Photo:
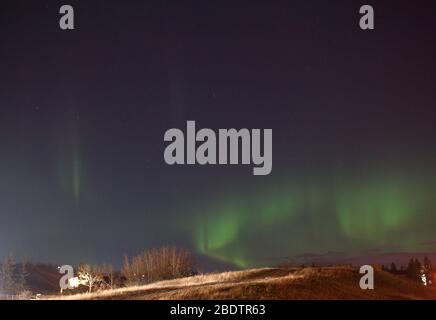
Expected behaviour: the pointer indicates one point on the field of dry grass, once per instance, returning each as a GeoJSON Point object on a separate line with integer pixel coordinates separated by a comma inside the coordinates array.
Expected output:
{"type": "Point", "coordinates": [271, 284]}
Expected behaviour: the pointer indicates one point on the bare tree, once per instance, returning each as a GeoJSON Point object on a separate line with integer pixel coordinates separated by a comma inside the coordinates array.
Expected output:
{"type": "Point", "coordinates": [157, 264]}
{"type": "Point", "coordinates": [88, 277]}
{"type": "Point", "coordinates": [107, 271]}
{"type": "Point", "coordinates": [22, 277]}
{"type": "Point", "coordinates": [7, 274]}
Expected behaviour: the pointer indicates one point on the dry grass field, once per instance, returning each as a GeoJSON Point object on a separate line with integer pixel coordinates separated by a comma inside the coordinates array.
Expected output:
{"type": "Point", "coordinates": [323, 283]}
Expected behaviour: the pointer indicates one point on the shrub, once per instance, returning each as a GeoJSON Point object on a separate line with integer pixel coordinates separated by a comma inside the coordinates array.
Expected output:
{"type": "Point", "coordinates": [157, 264]}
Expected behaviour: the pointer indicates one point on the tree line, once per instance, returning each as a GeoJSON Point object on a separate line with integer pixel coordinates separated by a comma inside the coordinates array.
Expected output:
{"type": "Point", "coordinates": [414, 270]}
{"type": "Point", "coordinates": [13, 277]}
{"type": "Point", "coordinates": [151, 265]}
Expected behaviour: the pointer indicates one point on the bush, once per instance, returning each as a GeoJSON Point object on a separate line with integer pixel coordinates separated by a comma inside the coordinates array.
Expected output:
{"type": "Point", "coordinates": [24, 295]}
{"type": "Point", "coordinates": [157, 264]}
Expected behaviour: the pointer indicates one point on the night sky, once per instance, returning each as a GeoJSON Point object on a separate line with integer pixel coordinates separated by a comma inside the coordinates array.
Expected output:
{"type": "Point", "coordinates": [83, 115]}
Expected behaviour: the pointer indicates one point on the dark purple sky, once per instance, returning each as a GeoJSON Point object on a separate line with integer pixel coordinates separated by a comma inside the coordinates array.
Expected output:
{"type": "Point", "coordinates": [83, 114]}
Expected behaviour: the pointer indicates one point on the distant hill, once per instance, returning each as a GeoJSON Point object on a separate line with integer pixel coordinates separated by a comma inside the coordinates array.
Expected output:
{"type": "Point", "coordinates": [338, 258]}
{"type": "Point", "coordinates": [43, 278]}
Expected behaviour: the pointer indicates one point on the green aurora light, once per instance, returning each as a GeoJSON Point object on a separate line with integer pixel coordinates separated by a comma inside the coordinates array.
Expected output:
{"type": "Point", "coordinates": [353, 214]}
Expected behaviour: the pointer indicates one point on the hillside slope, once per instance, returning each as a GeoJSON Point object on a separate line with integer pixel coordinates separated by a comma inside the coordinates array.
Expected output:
{"type": "Point", "coordinates": [273, 283]}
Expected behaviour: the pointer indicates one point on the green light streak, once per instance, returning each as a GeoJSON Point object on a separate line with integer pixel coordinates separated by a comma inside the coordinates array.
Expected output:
{"type": "Point", "coordinates": [70, 163]}
{"type": "Point", "coordinates": [76, 175]}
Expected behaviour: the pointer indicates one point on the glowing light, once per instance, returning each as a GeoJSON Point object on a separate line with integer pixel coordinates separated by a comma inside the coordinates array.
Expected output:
{"type": "Point", "coordinates": [351, 213]}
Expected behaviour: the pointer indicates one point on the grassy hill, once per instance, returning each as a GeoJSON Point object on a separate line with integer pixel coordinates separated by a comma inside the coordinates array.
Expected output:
{"type": "Point", "coordinates": [272, 283]}
{"type": "Point", "coordinates": [42, 278]}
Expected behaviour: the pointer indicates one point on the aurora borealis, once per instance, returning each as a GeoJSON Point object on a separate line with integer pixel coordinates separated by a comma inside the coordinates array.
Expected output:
{"type": "Point", "coordinates": [70, 166]}
{"type": "Point", "coordinates": [358, 215]}
{"type": "Point", "coordinates": [83, 115]}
